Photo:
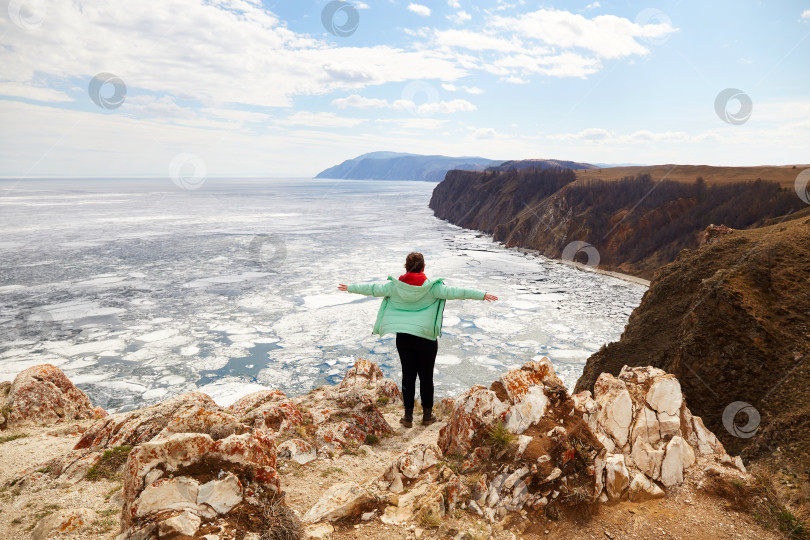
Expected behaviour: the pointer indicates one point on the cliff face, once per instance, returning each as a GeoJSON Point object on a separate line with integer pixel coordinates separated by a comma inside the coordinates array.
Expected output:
{"type": "Point", "coordinates": [636, 225]}
{"type": "Point", "coordinates": [732, 321]}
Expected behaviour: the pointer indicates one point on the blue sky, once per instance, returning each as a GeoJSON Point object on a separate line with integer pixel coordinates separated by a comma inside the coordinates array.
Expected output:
{"type": "Point", "coordinates": [252, 88]}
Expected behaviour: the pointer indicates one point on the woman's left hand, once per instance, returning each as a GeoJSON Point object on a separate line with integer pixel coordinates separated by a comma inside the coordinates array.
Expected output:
{"type": "Point", "coordinates": [342, 287]}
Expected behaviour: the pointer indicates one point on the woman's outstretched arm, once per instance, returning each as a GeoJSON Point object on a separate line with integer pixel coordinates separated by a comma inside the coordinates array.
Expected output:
{"type": "Point", "coordinates": [460, 293]}
{"type": "Point", "coordinates": [368, 289]}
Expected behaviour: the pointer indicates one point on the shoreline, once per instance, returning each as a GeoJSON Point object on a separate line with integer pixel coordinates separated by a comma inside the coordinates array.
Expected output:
{"type": "Point", "coordinates": [586, 268]}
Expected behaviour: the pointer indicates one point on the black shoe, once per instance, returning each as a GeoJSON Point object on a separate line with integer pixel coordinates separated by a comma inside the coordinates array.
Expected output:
{"type": "Point", "coordinates": [407, 420]}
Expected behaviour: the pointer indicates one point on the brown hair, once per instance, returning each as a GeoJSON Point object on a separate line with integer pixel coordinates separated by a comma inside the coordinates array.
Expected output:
{"type": "Point", "coordinates": [414, 262]}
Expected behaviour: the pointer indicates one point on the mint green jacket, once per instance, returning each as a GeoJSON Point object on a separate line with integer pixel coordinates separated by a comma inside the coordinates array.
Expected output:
{"type": "Point", "coordinates": [413, 309]}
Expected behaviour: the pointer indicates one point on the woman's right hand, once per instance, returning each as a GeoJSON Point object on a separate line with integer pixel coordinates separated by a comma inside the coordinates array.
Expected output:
{"type": "Point", "coordinates": [342, 286]}
{"type": "Point", "coordinates": [490, 297]}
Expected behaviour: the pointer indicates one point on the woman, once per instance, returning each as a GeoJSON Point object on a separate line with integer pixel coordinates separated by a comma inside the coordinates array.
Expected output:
{"type": "Point", "coordinates": [413, 308]}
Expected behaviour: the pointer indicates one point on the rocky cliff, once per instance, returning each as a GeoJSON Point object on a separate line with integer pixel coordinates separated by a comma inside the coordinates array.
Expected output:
{"type": "Point", "coordinates": [732, 321]}
{"type": "Point", "coordinates": [520, 458]}
{"type": "Point", "coordinates": [634, 225]}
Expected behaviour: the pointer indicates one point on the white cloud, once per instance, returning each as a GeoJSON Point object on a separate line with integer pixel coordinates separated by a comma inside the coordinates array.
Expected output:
{"type": "Point", "coordinates": [362, 5]}
{"type": "Point", "coordinates": [460, 17]}
{"type": "Point", "coordinates": [589, 134]}
{"type": "Point", "coordinates": [476, 41]}
{"type": "Point", "coordinates": [449, 87]}
{"type": "Point", "coordinates": [428, 108]}
{"type": "Point", "coordinates": [319, 119]}
{"type": "Point", "coordinates": [446, 107]}
{"type": "Point", "coordinates": [454, 4]}
{"type": "Point", "coordinates": [547, 42]}
{"type": "Point", "coordinates": [427, 124]}
{"type": "Point", "coordinates": [608, 36]}
{"type": "Point", "coordinates": [593, 5]}
{"type": "Point", "coordinates": [359, 102]}
{"type": "Point", "coordinates": [600, 135]}
{"type": "Point", "coordinates": [485, 133]}
{"type": "Point", "coordinates": [515, 80]}
{"type": "Point", "coordinates": [472, 90]}
{"type": "Point", "coordinates": [255, 60]}
{"type": "Point", "coordinates": [419, 9]}
{"type": "Point", "coordinates": [806, 14]}
{"type": "Point", "coordinates": [34, 93]}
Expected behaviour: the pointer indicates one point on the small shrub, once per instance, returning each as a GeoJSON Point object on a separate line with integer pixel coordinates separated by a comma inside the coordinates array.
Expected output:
{"type": "Point", "coordinates": [10, 438]}
{"type": "Point", "coordinates": [45, 511]}
{"type": "Point", "coordinates": [382, 401]}
{"type": "Point", "coordinates": [500, 437]}
{"type": "Point", "coordinates": [331, 470]}
{"type": "Point", "coordinates": [372, 439]}
{"type": "Point", "coordinates": [113, 491]}
{"type": "Point", "coordinates": [430, 520]}
{"type": "Point", "coordinates": [453, 462]}
{"type": "Point", "coordinates": [44, 470]}
{"type": "Point", "coordinates": [109, 464]}
{"type": "Point", "coordinates": [282, 523]}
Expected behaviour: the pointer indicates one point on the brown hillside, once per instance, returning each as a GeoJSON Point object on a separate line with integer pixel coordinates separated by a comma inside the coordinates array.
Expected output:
{"type": "Point", "coordinates": [784, 175]}
{"type": "Point", "coordinates": [732, 321]}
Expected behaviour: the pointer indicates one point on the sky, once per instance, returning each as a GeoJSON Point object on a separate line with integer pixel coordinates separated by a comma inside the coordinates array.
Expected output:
{"type": "Point", "coordinates": [264, 88]}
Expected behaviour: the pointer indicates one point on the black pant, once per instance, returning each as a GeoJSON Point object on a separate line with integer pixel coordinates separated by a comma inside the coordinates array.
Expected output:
{"type": "Point", "coordinates": [417, 356]}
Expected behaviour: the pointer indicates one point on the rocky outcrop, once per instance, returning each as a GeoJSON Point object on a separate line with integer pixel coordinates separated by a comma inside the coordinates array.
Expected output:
{"type": "Point", "coordinates": [730, 322]}
{"type": "Point", "coordinates": [43, 395]}
{"type": "Point", "coordinates": [174, 483]}
{"type": "Point", "coordinates": [531, 444]}
{"type": "Point", "coordinates": [365, 383]}
{"type": "Point", "coordinates": [523, 444]}
{"type": "Point", "coordinates": [714, 232]}
{"type": "Point", "coordinates": [193, 412]}
{"type": "Point", "coordinates": [62, 521]}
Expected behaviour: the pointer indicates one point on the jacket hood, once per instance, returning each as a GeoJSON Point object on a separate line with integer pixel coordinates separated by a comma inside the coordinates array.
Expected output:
{"type": "Point", "coordinates": [412, 293]}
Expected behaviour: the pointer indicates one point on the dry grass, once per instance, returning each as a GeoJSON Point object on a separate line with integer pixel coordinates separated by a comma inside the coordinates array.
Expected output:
{"type": "Point", "coordinates": [282, 523]}
{"type": "Point", "coordinates": [784, 176]}
{"type": "Point", "coordinates": [110, 463]}
{"type": "Point", "coordinates": [500, 437]}
{"type": "Point", "coordinates": [760, 499]}
{"type": "Point", "coordinates": [10, 438]}
{"type": "Point", "coordinates": [429, 519]}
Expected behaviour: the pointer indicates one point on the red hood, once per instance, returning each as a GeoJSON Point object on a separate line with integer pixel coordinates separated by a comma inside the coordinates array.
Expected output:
{"type": "Point", "coordinates": [413, 278]}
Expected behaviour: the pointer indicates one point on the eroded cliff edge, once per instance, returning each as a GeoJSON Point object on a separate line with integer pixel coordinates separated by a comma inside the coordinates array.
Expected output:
{"type": "Point", "coordinates": [635, 224]}
{"type": "Point", "coordinates": [732, 321]}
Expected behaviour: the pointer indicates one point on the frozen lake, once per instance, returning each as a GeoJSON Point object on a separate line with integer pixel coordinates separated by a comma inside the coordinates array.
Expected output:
{"type": "Point", "coordinates": [139, 290]}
